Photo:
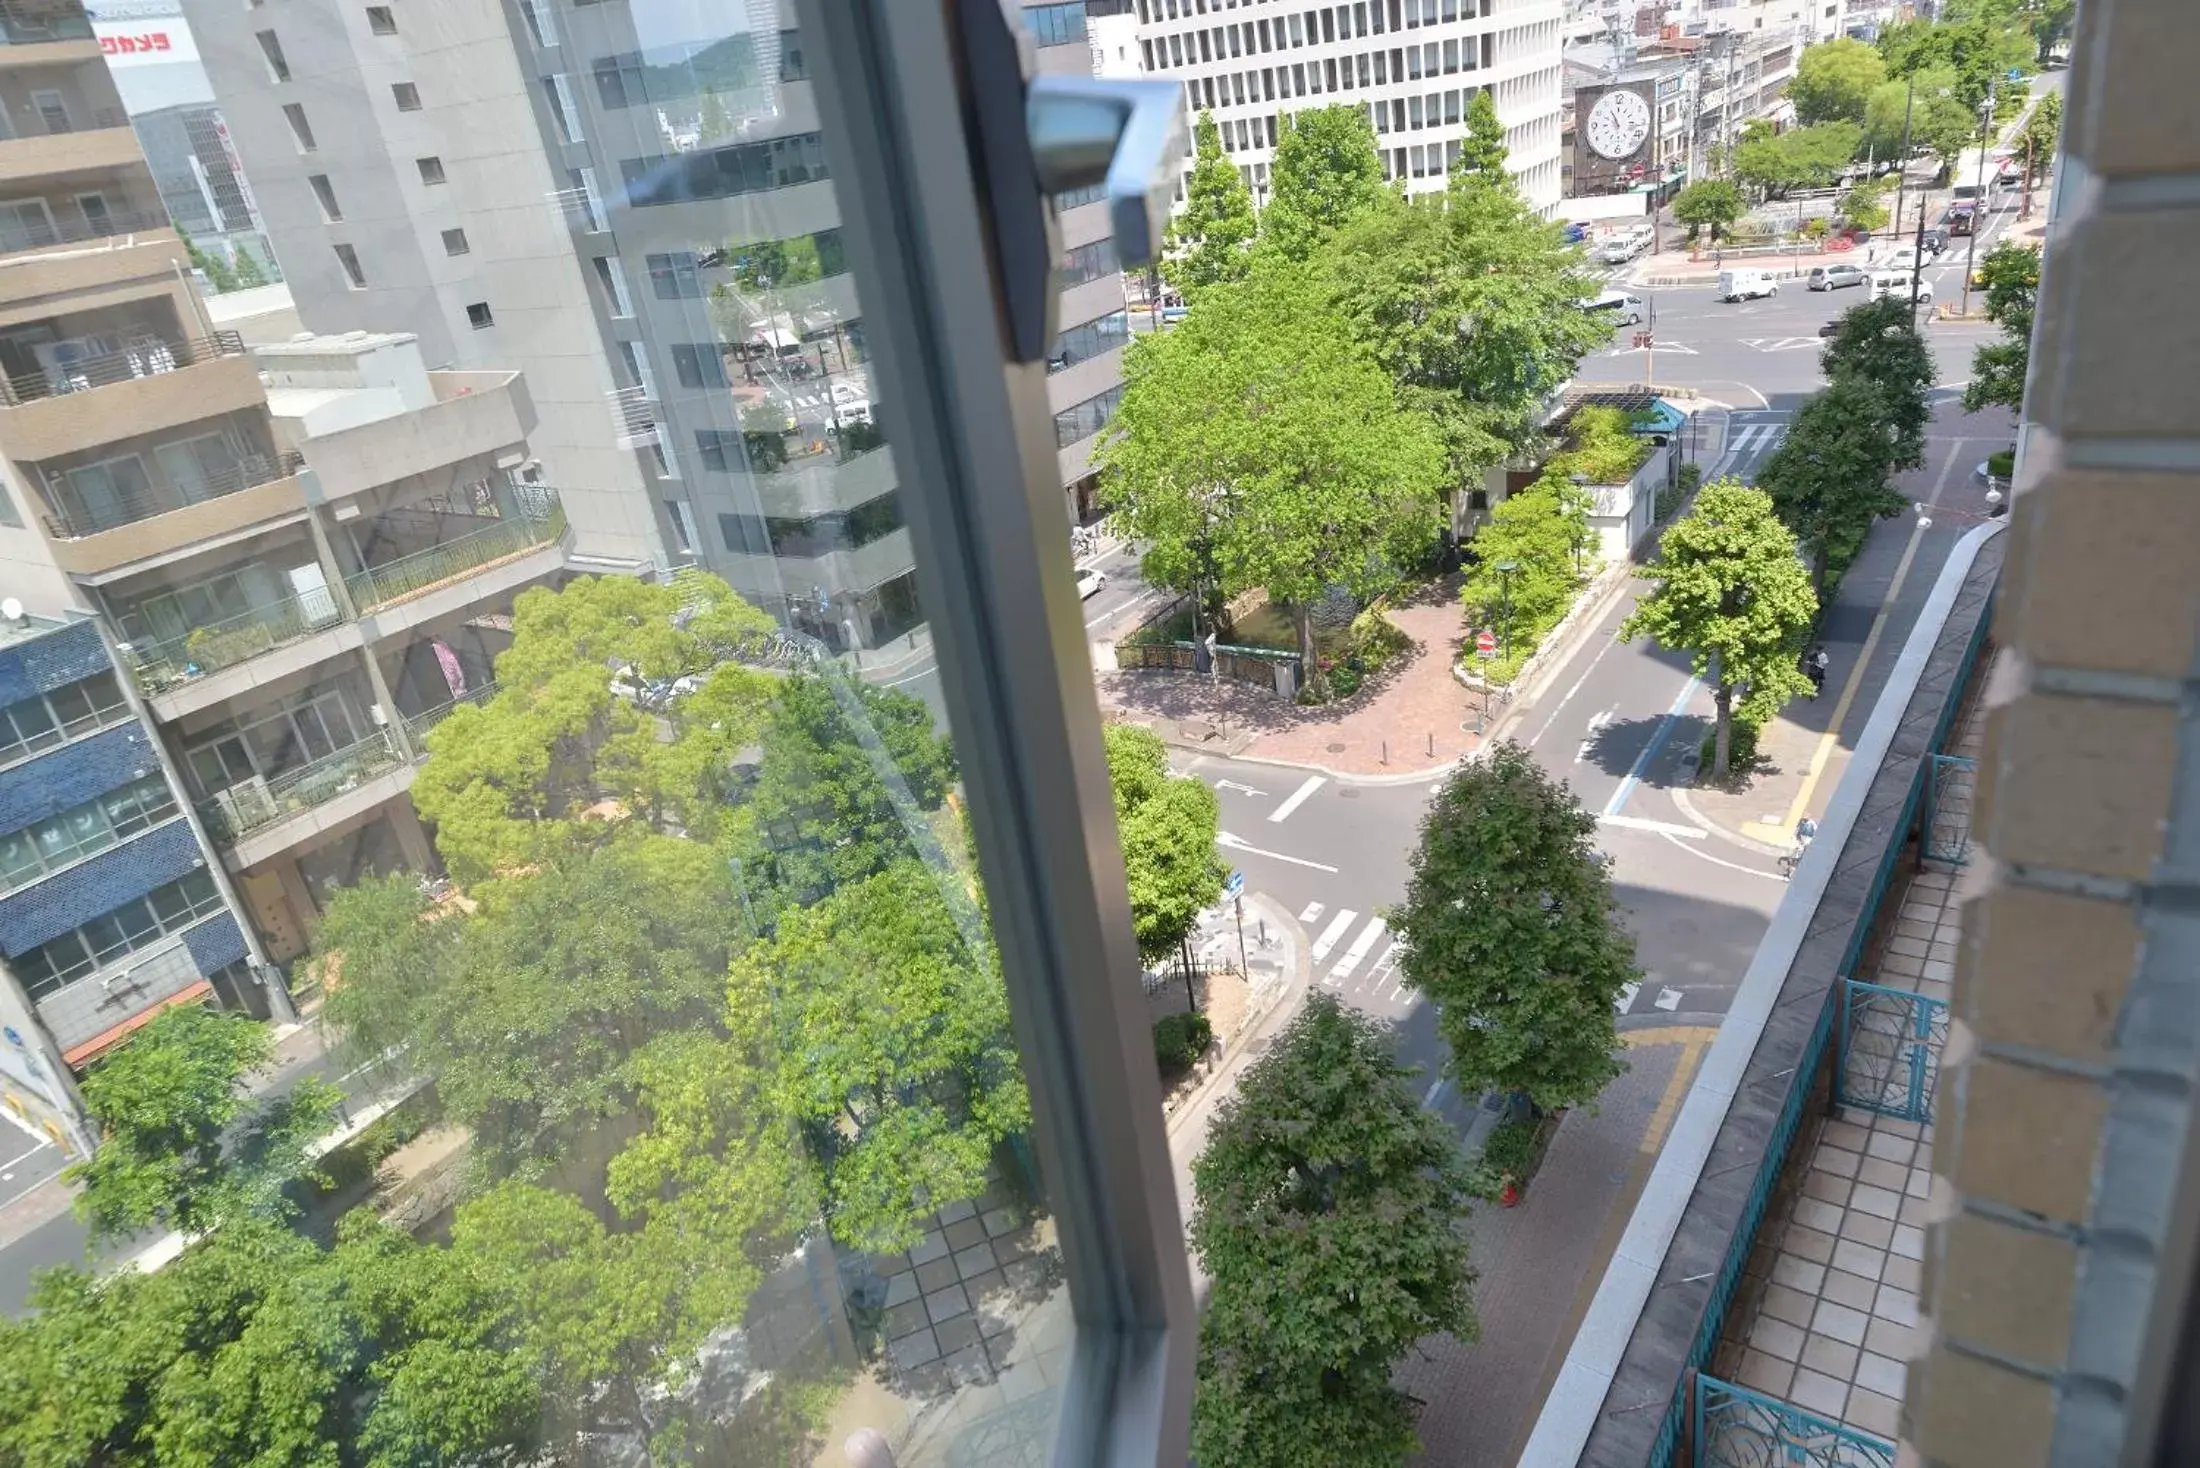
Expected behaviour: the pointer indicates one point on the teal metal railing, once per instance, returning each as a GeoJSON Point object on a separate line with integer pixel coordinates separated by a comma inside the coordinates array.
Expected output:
{"type": "Point", "coordinates": [419, 724]}
{"type": "Point", "coordinates": [538, 520]}
{"type": "Point", "coordinates": [1801, 1079]}
{"type": "Point", "coordinates": [1948, 782]}
{"type": "Point", "coordinates": [1739, 1428]}
{"type": "Point", "coordinates": [1891, 1040]}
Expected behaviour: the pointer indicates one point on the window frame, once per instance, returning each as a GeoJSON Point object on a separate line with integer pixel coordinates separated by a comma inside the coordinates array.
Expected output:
{"type": "Point", "coordinates": [983, 499]}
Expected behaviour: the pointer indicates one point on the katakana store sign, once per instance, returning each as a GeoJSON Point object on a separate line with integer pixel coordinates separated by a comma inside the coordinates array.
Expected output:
{"type": "Point", "coordinates": [142, 43]}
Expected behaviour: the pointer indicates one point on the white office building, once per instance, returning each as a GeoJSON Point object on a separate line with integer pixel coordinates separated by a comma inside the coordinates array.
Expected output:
{"type": "Point", "coordinates": [1413, 64]}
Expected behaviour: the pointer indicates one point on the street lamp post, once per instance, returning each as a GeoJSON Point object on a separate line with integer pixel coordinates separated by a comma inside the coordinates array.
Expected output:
{"type": "Point", "coordinates": [1902, 162]}
{"type": "Point", "coordinates": [1505, 571]}
{"type": "Point", "coordinates": [1978, 200]}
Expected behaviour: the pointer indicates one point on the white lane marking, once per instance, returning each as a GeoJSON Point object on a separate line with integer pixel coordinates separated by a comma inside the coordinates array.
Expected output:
{"type": "Point", "coordinates": [1609, 644]}
{"type": "Point", "coordinates": [1627, 993]}
{"type": "Point", "coordinates": [1596, 722]}
{"type": "Point", "coordinates": [1361, 946]}
{"type": "Point", "coordinates": [1298, 797]}
{"type": "Point", "coordinates": [1332, 933]}
{"type": "Point", "coordinates": [1241, 789]}
{"type": "Point", "coordinates": [1313, 911]}
{"type": "Point", "coordinates": [1721, 862]}
{"type": "Point", "coordinates": [23, 1126]}
{"type": "Point", "coordinates": [43, 1144]}
{"type": "Point", "coordinates": [1238, 843]}
{"type": "Point", "coordinates": [1435, 1090]}
{"type": "Point", "coordinates": [1663, 828]}
{"type": "Point", "coordinates": [1668, 1000]}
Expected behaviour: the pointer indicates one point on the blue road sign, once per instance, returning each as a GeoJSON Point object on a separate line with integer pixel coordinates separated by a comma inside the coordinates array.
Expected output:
{"type": "Point", "coordinates": [1235, 885]}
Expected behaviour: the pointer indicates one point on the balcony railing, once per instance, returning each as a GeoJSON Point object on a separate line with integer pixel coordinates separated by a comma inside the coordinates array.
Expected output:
{"type": "Point", "coordinates": [538, 520]}
{"type": "Point", "coordinates": [163, 664]}
{"type": "Point", "coordinates": [421, 723]}
{"type": "Point", "coordinates": [242, 809]}
{"type": "Point", "coordinates": [148, 357]}
{"type": "Point", "coordinates": [44, 233]}
{"type": "Point", "coordinates": [71, 520]}
{"type": "Point", "coordinates": [29, 22]}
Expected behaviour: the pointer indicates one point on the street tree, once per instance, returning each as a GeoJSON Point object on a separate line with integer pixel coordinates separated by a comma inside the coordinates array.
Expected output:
{"type": "Point", "coordinates": [1509, 928]}
{"type": "Point", "coordinates": [1998, 369]}
{"type": "Point", "coordinates": [1879, 342]}
{"type": "Point", "coordinates": [1729, 591]}
{"type": "Point", "coordinates": [1978, 45]}
{"type": "Point", "coordinates": [1482, 150]}
{"type": "Point", "coordinates": [1211, 239]}
{"type": "Point", "coordinates": [557, 757]}
{"type": "Point", "coordinates": [1710, 203]}
{"type": "Point", "coordinates": [184, 1144]}
{"type": "Point", "coordinates": [1471, 302]}
{"type": "Point", "coordinates": [2042, 132]}
{"type": "Point", "coordinates": [1939, 121]}
{"type": "Point", "coordinates": [1865, 205]}
{"type": "Point", "coordinates": [1167, 825]}
{"type": "Point", "coordinates": [851, 779]}
{"type": "Point", "coordinates": [1801, 158]}
{"type": "Point", "coordinates": [1834, 81]}
{"type": "Point", "coordinates": [527, 1011]}
{"type": "Point", "coordinates": [886, 999]}
{"type": "Point", "coordinates": [1259, 444]}
{"type": "Point", "coordinates": [1328, 1213]}
{"type": "Point", "coordinates": [1325, 172]}
{"type": "Point", "coordinates": [1831, 478]}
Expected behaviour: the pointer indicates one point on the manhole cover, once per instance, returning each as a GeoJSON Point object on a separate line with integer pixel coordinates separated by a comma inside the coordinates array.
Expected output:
{"type": "Point", "coordinates": [1334, 748]}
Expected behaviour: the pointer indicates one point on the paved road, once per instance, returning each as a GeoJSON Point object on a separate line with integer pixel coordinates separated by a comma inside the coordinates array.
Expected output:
{"type": "Point", "coordinates": [37, 1228]}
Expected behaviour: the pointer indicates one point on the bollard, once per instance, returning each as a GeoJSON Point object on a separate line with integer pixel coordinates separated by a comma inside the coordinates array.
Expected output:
{"type": "Point", "coordinates": [1386, 751]}
{"type": "Point", "coordinates": [1432, 744]}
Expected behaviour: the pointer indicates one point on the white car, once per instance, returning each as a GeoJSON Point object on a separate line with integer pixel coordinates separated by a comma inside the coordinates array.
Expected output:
{"type": "Point", "coordinates": [1090, 583]}
{"type": "Point", "coordinates": [1617, 306]}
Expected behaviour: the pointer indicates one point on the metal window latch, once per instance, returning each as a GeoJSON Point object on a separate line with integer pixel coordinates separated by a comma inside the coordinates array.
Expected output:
{"type": "Point", "coordinates": [1039, 136]}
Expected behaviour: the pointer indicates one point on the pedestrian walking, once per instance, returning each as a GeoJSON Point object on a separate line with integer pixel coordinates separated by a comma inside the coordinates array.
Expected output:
{"type": "Point", "coordinates": [1814, 668]}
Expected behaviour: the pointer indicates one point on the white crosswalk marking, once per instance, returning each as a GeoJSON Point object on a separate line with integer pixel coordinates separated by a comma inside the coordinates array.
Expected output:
{"type": "Point", "coordinates": [1332, 933]}
{"type": "Point", "coordinates": [1313, 911]}
{"type": "Point", "coordinates": [1361, 946]}
{"type": "Point", "coordinates": [1626, 1000]}
{"type": "Point", "coordinates": [1668, 999]}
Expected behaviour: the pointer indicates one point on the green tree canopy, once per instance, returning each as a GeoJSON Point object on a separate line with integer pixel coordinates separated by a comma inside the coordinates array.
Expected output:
{"type": "Point", "coordinates": [1328, 1211]}
{"type": "Point", "coordinates": [1258, 445]}
{"type": "Point", "coordinates": [1167, 825]}
{"type": "Point", "coordinates": [887, 998]}
{"type": "Point", "coordinates": [1729, 592]}
{"type": "Point", "coordinates": [1865, 205]}
{"type": "Point", "coordinates": [1325, 172]}
{"type": "Point", "coordinates": [850, 778]}
{"type": "Point", "coordinates": [1800, 158]}
{"type": "Point", "coordinates": [1879, 342]}
{"type": "Point", "coordinates": [2043, 132]}
{"type": "Point", "coordinates": [1510, 930]}
{"type": "Point", "coordinates": [1834, 81]}
{"type": "Point", "coordinates": [1472, 303]}
{"type": "Point", "coordinates": [1482, 150]}
{"type": "Point", "coordinates": [1712, 203]}
{"type": "Point", "coordinates": [1998, 369]}
{"type": "Point", "coordinates": [1211, 240]}
{"type": "Point", "coordinates": [1940, 121]}
{"type": "Point", "coordinates": [183, 1143]}
{"type": "Point", "coordinates": [1832, 476]}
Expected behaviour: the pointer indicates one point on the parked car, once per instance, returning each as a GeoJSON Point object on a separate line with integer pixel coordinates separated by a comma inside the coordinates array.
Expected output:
{"type": "Point", "coordinates": [1090, 584]}
{"type": "Point", "coordinates": [1834, 277]}
{"type": "Point", "coordinates": [1744, 285]}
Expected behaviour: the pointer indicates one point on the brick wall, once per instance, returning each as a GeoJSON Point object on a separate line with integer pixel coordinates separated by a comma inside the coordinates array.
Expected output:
{"type": "Point", "coordinates": [2057, 1279]}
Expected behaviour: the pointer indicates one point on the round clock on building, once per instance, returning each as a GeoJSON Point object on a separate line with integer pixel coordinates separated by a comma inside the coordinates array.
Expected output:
{"type": "Point", "coordinates": [1618, 124]}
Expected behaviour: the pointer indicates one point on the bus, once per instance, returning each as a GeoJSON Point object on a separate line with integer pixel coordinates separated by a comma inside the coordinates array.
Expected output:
{"type": "Point", "coordinates": [1998, 171]}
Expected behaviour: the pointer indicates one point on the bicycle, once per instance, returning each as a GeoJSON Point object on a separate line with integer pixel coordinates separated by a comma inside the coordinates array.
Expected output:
{"type": "Point", "coordinates": [1790, 860]}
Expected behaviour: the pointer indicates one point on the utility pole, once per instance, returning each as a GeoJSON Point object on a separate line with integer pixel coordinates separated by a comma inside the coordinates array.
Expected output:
{"type": "Point", "coordinates": [1978, 202]}
{"type": "Point", "coordinates": [1902, 160]}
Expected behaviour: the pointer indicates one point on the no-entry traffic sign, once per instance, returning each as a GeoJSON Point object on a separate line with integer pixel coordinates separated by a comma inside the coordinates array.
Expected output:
{"type": "Point", "coordinates": [1485, 644]}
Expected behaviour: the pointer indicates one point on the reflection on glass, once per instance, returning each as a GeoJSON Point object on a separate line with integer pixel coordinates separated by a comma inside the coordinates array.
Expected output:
{"type": "Point", "coordinates": [670, 1113]}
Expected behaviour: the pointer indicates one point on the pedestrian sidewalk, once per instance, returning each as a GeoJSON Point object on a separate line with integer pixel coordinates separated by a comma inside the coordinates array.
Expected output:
{"type": "Point", "coordinates": [1415, 718]}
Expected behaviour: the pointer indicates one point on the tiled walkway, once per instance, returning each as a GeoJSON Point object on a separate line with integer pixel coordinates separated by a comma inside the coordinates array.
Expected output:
{"type": "Point", "coordinates": [1826, 1317]}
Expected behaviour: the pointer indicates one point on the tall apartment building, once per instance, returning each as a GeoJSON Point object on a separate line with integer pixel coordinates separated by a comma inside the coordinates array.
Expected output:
{"type": "Point", "coordinates": [1414, 65]}
{"type": "Point", "coordinates": [631, 205]}
{"type": "Point", "coordinates": [296, 580]}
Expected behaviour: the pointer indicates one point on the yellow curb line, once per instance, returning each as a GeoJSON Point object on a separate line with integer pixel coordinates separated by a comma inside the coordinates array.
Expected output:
{"type": "Point", "coordinates": [1693, 1040]}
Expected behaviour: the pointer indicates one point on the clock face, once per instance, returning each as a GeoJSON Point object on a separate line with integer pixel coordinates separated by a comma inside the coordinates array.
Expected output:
{"type": "Point", "coordinates": [1618, 124]}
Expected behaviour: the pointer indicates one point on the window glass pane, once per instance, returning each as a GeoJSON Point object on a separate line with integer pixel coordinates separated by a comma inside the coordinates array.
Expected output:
{"type": "Point", "coordinates": [574, 738]}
